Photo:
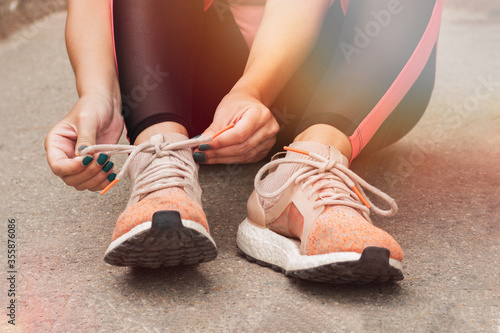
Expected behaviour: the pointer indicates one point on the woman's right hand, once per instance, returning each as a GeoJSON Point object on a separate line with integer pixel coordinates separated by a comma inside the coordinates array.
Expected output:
{"type": "Point", "coordinates": [95, 119]}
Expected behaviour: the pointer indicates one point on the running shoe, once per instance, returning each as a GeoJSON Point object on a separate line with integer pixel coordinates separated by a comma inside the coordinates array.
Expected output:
{"type": "Point", "coordinates": [309, 218]}
{"type": "Point", "coordinates": [164, 223]}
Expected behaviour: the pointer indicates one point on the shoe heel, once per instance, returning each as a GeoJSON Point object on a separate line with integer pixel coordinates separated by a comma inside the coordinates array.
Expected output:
{"type": "Point", "coordinates": [166, 219]}
{"type": "Point", "coordinates": [375, 255]}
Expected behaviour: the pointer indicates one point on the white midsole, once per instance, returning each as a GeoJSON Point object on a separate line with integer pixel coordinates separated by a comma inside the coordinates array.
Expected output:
{"type": "Point", "coordinates": [272, 248]}
{"type": "Point", "coordinates": [143, 227]}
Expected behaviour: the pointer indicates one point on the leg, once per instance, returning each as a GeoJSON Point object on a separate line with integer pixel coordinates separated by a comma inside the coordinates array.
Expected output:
{"type": "Point", "coordinates": [157, 45]}
{"type": "Point", "coordinates": [398, 123]}
{"type": "Point", "coordinates": [187, 50]}
{"type": "Point", "coordinates": [327, 135]}
{"type": "Point", "coordinates": [310, 194]}
{"type": "Point", "coordinates": [220, 64]}
{"type": "Point", "coordinates": [164, 49]}
{"type": "Point", "coordinates": [382, 63]}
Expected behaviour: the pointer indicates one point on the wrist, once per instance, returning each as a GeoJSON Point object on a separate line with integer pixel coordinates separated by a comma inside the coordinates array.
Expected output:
{"type": "Point", "coordinates": [103, 81]}
{"type": "Point", "coordinates": [251, 88]}
{"type": "Point", "coordinates": [110, 91]}
{"type": "Point", "coordinates": [111, 99]}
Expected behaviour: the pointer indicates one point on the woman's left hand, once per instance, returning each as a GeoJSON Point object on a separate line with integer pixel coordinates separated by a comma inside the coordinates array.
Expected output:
{"type": "Point", "coordinates": [251, 138]}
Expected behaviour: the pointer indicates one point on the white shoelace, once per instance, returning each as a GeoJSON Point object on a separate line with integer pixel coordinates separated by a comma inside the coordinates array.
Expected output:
{"type": "Point", "coordinates": [171, 172]}
{"type": "Point", "coordinates": [336, 184]}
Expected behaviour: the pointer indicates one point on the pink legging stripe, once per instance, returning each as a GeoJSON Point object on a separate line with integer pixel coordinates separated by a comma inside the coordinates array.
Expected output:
{"type": "Point", "coordinates": [345, 4]}
{"type": "Point", "coordinates": [400, 86]}
{"type": "Point", "coordinates": [113, 34]}
{"type": "Point", "coordinates": [208, 3]}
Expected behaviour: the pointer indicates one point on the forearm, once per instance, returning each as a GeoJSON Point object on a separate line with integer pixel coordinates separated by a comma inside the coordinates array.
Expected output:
{"type": "Point", "coordinates": [90, 47]}
{"type": "Point", "coordinates": [288, 33]}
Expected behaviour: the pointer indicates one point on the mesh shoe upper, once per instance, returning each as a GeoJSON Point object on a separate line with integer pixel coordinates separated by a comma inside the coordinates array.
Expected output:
{"type": "Point", "coordinates": [166, 179]}
{"type": "Point", "coordinates": [163, 176]}
{"type": "Point", "coordinates": [313, 196]}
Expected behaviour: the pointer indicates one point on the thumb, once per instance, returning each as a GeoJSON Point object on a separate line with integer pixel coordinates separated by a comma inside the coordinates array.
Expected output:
{"type": "Point", "coordinates": [86, 132]}
{"type": "Point", "coordinates": [219, 126]}
{"type": "Point", "coordinates": [211, 130]}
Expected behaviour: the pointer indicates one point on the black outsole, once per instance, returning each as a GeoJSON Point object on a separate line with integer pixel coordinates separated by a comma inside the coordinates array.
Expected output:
{"type": "Point", "coordinates": [372, 267]}
{"type": "Point", "coordinates": [167, 243]}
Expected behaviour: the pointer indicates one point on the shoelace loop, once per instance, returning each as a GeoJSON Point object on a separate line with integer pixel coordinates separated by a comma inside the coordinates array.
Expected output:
{"type": "Point", "coordinates": [335, 183]}
{"type": "Point", "coordinates": [159, 150]}
{"type": "Point", "coordinates": [147, 182]}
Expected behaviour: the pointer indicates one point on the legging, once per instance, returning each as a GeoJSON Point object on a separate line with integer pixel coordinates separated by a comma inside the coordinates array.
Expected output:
{"type": "Point", "coordinates": [370, 74]}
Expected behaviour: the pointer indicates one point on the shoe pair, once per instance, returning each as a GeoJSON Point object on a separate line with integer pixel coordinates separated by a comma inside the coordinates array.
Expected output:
{"type": "Point", "coordinates": [308, 216]}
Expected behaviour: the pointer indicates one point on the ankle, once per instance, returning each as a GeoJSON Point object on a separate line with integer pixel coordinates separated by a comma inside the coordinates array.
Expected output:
{"type": "Point", "coordinates": [160, 128]}
{"type": "Point", "coordinates": [327, 135]}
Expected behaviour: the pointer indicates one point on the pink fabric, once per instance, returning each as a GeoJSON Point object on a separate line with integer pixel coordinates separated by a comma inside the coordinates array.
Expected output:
{"type": "Point", "coordinates": [208, 3]}
{"type": "Point", "coordinates": [345, 4]}
{"type": "Point", "coordinates": [248, 18]}
{"type": "Point", "coordinates": [400, 86]}
{"type": "Point", "coordinates": [113, 34]}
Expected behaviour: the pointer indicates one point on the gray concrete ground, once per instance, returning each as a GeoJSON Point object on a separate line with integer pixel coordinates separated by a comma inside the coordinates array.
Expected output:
{"type": "Point", "coordinates": [445, 177]}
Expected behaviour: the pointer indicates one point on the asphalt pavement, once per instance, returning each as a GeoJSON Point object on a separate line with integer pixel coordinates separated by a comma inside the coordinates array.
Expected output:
{"type": "Point", "coordinates": [445, 177]}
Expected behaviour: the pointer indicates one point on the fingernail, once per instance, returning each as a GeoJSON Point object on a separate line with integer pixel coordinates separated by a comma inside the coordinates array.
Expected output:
{"type": "Point", "coordinates": [196, 137]}
{"type": "Point", "coordinates": [102, 159]}
{"type": "Point", "coordinates": [111, 177]}
{"type": "Point", "coordinates": [82, 148]}
{"type": "Point", "coordinates": [199, 157]}
{"type": "Point", "coordinates": [204, 147]}
{"type": "Point", "coordinates": [108, 166]}
{"type": "Point", "coordinates": [87, 160]}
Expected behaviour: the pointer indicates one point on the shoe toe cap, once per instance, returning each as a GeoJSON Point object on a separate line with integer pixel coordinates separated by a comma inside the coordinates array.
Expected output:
{"type": "Point", "coordinates": [342, 229]}
{"type": "Point", "coordinates": [169, 199]}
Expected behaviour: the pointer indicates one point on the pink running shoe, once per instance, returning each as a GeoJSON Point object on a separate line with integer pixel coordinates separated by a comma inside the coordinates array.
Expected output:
{"type": "Point", "coordinates": [164, 223]}
{"type": "Point", "coordinates": [309, 218]}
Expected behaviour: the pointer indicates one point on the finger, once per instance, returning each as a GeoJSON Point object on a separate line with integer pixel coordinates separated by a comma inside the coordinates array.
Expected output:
{"type": "Point", "coordinates": [241, 132]}
{"type": "Point", "coordinates": [99, 182]}
{"type": "Point", "coordinates": [261, 140]}
{"type": "Point", "coordinates": [250, 155]}
{"type": "Point", "coordinates": [110, 177]}
{"type": "Point", "coordinates": [92, 175]}
{"type": "Point", "coordinates": [59, 145]}
{"type": "Point", "coordinates": [260, 125]}
{"type": "Point", "coordinates": [99, 178]}
{"type": "Point", "coordinates": [215, 130]}
{"type": "Point", "coordinates": [63, 166]}
{"type": "Point", "coordinates": [211, 130]}
{"type": "Point", "coordinates": [242, 127]}
{"type": "Point", "coordinates": [86, 130]}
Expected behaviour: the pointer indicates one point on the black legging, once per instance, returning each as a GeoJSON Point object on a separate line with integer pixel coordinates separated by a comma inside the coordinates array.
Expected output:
{"type": "Point", "coordinates": [176, 62]}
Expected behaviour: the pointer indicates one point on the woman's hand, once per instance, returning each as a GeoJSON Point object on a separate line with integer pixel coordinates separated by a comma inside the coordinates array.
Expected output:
{"type": "Point", "coordinates": [279, 49]}
{"type": "Point", "coordinates": [94, 119]}
{"type": "Point", "coordinates": [253, 135]}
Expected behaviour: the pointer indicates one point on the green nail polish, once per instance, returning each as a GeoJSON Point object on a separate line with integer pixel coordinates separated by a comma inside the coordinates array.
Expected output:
{"type": "Point", "coordinates": [102, 159]}
{"type": "Point", "coordinates": [199, 157]}
{"type": "Point", "coordinates": [204, 147]}
{"type": "Point", "coordinates": [196, 137]}
{"type": "Point", "coordinates": [111, 177]}
{"type": "Point", "coordinates": [108, 166]}
{"type": "Point", "coordinates": [87, 160]}
{"type": "Point", "coordinates": [82, 148]}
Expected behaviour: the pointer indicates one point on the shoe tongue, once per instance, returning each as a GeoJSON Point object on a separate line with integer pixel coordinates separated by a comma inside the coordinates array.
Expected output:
{"type": "Point", "coordinates": [285, 170]}
{"type": "Point", "coordinates": [323, 150]}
